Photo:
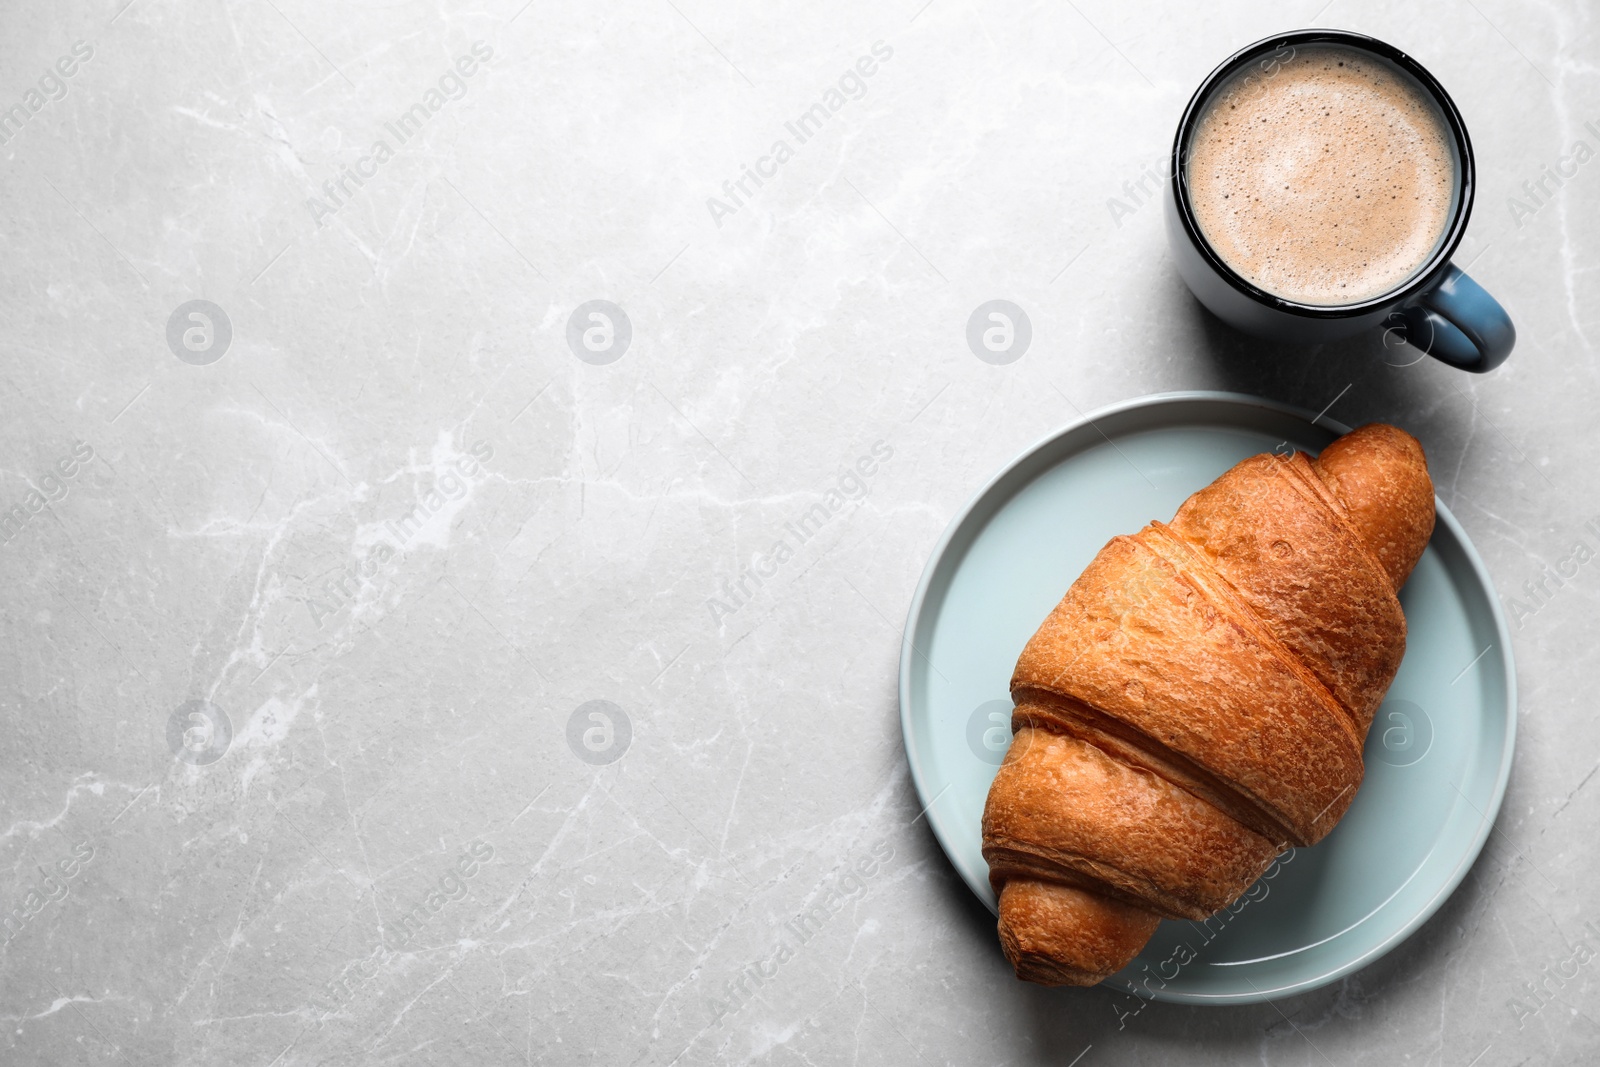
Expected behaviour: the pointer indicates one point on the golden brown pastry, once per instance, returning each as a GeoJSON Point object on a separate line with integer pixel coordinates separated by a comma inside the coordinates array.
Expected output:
{"type": "Point", "coordinates": [1199, 699]}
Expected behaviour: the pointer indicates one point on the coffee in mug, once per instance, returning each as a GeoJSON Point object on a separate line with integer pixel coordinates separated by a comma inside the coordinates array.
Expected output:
{"type": "Point", "coordinates": [1331, 181]}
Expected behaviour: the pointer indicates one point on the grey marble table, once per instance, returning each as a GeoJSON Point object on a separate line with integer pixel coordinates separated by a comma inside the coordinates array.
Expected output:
{"type": "Point", "coordinates": [399, 664]}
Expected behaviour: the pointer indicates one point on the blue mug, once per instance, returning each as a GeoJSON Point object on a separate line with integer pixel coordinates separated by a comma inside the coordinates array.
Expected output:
{"type": "Point", "coordinates": [1439, 309]}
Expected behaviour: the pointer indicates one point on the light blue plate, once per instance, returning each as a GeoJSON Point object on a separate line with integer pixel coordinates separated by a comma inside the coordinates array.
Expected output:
{"type": "Point", "coordinates": [1437, 757]}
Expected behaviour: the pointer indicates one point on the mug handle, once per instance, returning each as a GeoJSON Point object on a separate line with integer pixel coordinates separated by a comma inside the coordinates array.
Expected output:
{"type": "Point", "coordinates": [1459, 323]}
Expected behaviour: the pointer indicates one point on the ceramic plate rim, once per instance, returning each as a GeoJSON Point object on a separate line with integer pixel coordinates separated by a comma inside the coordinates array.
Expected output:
{"type": "Point", "coordinates": [1179, 400]}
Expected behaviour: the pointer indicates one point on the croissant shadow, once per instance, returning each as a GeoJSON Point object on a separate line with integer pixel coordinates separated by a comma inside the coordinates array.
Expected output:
{"type": "Point", "coordinates": [1066, 1019]}
{"type": "Point", "coordinates": [970, 913]}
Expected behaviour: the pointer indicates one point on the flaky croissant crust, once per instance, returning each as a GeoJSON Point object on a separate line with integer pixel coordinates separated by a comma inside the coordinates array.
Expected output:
{"type": "Point", "coordinates": [1199, 699]}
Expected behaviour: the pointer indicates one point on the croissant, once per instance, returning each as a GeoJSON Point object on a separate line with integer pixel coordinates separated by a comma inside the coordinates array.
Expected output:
{"type": "Point", "coordinates": [1198, 701]}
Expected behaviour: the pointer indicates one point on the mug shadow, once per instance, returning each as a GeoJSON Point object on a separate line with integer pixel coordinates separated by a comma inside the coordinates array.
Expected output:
{"type": "Point", "coordinates": [1371, 376]}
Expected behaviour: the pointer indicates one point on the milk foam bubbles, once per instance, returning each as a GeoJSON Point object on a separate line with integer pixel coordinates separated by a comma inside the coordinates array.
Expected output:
{"type": "Point", "coordinates": [1330, 181]}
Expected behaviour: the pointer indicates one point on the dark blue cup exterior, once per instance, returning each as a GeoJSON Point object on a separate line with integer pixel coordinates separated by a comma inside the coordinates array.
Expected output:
{"type": "Point", "coordinates": [1440, 310]}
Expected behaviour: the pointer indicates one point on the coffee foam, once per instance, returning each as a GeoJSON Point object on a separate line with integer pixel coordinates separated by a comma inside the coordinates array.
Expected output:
{"type": "Point", "coordinates": [1328, 181]}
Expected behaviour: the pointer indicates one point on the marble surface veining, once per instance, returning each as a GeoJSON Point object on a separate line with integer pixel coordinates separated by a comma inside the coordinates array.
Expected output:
{"type": "Point", "coordinates": [403, 403]}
